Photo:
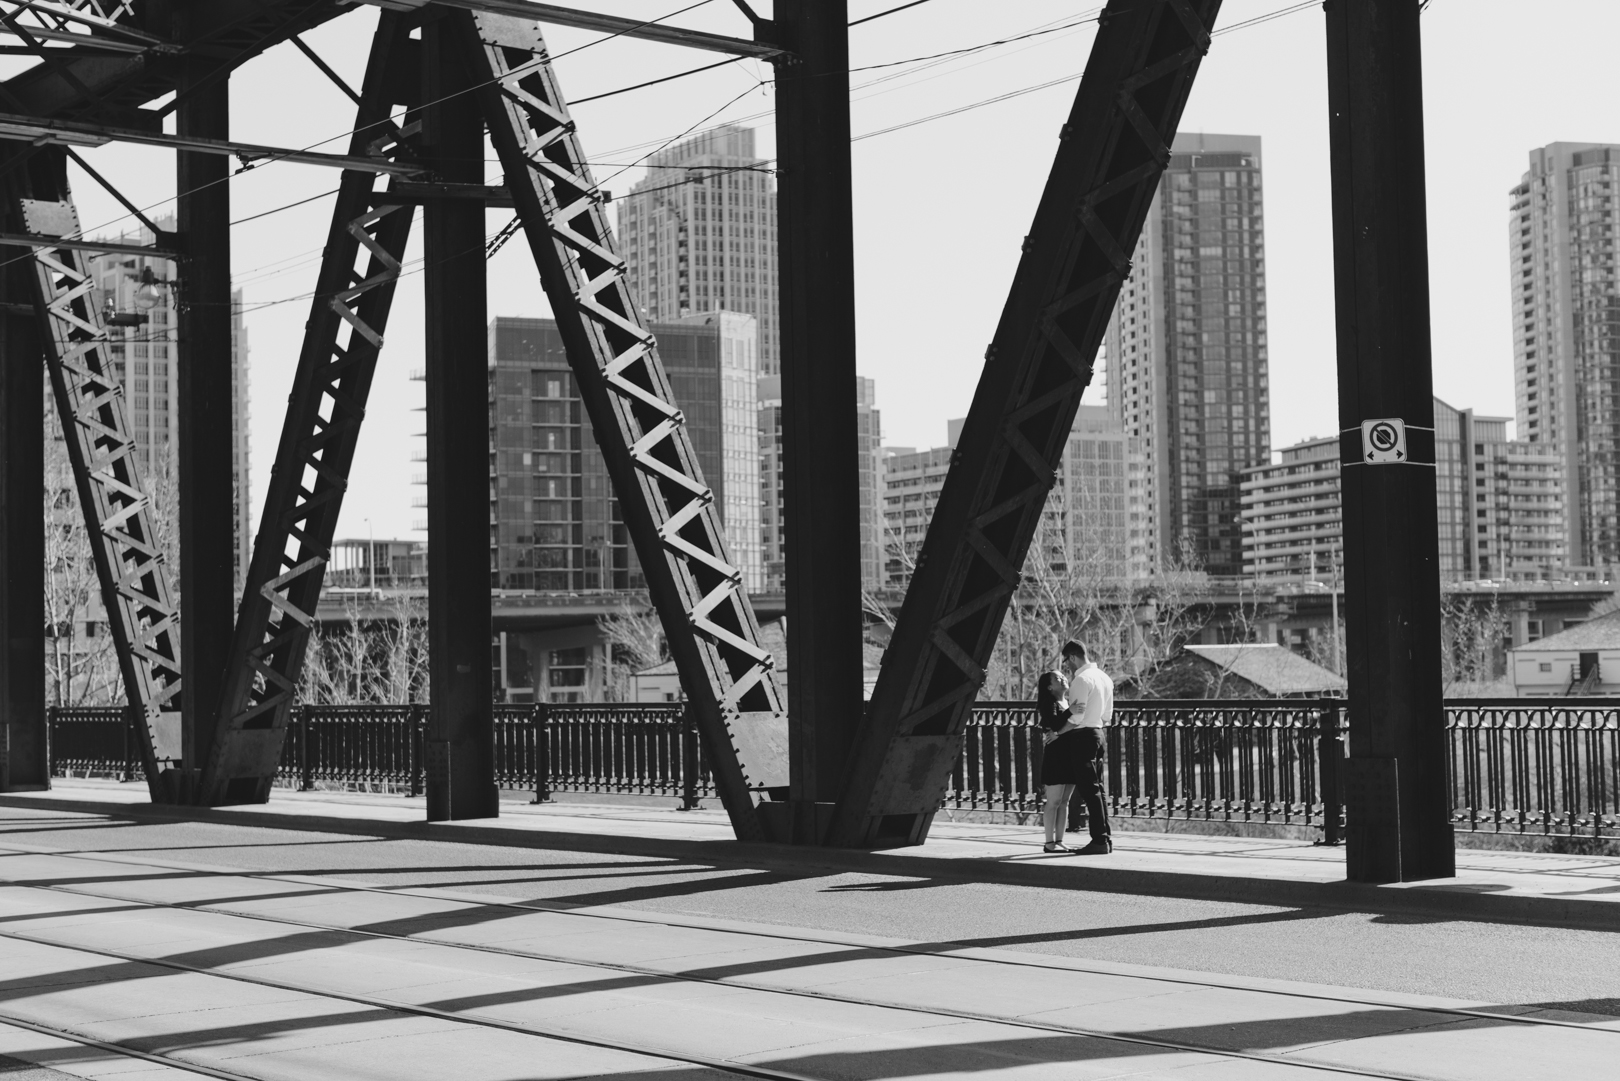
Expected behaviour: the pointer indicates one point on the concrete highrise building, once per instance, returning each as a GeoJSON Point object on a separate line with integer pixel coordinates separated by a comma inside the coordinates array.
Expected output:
{"type": "Point", "coordinates": [1500, 503]}
{"type": "Point", "coordinates": [1102, 495]}
{"type": "Point", "coordinates": [699, 234]}
{"type": "Point", "coordinates": [555, 519]}
{"type": "Point", "coordinates": [912, 481]}
{"type": "Point", "coordinates": [147, 361]}
{"type": "Point", "coordinates": [1186, 350]}
{"type": "Point", "coordinates": [1097, 510]}
{"type": "Point", "coordinates": [1563, 240]}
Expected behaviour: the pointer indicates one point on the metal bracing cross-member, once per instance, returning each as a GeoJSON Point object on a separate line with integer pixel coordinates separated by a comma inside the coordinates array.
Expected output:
{"type": "Point", "coordinates": [119, 523]}
{"type": "Point", "coordinates": [668, 508]}
{"type": "Point", "coordinates": [342, 341]}
{"type": "Point", "coordinates": [1112, 153]}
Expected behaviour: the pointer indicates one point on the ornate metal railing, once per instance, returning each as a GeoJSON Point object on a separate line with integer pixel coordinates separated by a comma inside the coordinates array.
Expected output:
{"type": "Point", "coordinates": [1252, 760]}
{"type": "Point", "coordinates": [94, 741]}
{"type": "Point", "coordinates": [1547, 766]}
{"type": "Point", "coordinates": [1522, 766]}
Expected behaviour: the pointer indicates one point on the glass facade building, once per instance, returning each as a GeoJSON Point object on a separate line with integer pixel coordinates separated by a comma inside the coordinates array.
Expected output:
{"type": "Point", "coordinates": [554, 519]}
{"type": "Point", "coordinates": [1563, 240]}
{"type": "Point", "coordinates": [1186, 350]}
{"type": "Point", "coordinates": [699, 234]}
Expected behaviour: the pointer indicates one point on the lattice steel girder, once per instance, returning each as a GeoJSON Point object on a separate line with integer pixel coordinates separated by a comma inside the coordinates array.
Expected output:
{"type": "Point", "coordinates": [342, 340]}
{"type": "Point", "coordinates": [668, 509]}
{"type": "Point", "coordinates": [119, 523]}
{"type": "Point", "coordinates": [1112, 152]}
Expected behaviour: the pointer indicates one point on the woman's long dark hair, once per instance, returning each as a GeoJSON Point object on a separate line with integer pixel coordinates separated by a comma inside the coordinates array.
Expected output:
{"type": "Point", "coordinates": [1049, 690]}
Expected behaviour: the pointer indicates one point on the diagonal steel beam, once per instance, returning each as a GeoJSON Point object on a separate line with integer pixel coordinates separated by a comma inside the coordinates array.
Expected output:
{"type": "Point", "coordinates": [668, 508]}
{"type": "Point", "coordinates": [141, 610]}
{"type": "Point", "coordinates": [1112, 153]}
{"type": "Point", "coordinates": [342, 340]}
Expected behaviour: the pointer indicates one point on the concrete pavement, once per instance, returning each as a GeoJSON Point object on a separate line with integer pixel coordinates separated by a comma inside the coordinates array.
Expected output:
{"type": "Point", "coordinates": [1560, 890]}
{"type": "Point", "coordinates": [282, 976]}
{"type": "Point", "coordinates": [205, 966]}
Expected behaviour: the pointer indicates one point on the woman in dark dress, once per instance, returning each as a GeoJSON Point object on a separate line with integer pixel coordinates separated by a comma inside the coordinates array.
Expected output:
{"type": "Point", "coordinates": [1061, 761]}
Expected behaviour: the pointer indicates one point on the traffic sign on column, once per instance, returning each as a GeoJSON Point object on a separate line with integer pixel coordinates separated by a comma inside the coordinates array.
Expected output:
{"type": "Point", "coordinates": [1383, 442]}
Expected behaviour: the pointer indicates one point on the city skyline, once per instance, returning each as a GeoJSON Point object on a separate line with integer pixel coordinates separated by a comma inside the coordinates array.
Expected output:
{"type": "Point", "coordinates": [1265, 79]}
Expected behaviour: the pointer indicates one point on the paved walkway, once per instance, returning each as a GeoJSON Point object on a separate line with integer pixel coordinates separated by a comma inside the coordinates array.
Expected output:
{"type": "Point", "coordinates": [1568, 890]}
{"type": "Point", "coordinates": [125, 964]}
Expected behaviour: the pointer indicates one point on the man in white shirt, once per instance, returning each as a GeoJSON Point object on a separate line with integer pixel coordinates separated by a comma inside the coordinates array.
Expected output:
{"type": "Point", "coordinates": [1091, 708]}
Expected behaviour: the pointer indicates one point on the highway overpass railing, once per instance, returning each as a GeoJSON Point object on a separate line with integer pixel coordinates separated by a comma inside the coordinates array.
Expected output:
{"type": "Point", "coordinates": [1517, 766]}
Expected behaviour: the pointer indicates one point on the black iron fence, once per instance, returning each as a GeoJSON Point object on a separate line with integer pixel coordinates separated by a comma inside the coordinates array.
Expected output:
{"type": "Point", "coordinates": [632, 748]}
{"type": "Point", "coordinates": [1547, 766]}
{"type": "Point", "coordinates": [1246, 760]}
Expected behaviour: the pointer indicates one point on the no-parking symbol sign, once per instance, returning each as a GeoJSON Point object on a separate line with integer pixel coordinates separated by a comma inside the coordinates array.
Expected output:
{"type": "Point", "coordinates": [1383, 442]}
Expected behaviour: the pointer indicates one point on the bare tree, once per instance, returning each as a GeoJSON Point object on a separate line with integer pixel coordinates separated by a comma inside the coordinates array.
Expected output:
{"type": "Point", "coordinates": [81, 667]}
{"type": "Point", "coordinates": [1076, 585]}
{"type": "Point", "coordinates": [1473, 636]}
{"type": "Point", "coordinates": [634, 640]}
{"type": "Point", "coordinates": [378, 657]}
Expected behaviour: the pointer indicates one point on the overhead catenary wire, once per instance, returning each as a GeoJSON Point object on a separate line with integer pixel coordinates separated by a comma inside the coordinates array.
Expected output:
{"type": "Point", "coordinates": [502, 236]}
{"type": "Point", "coordinates": [1090, 17]}
{"type": "Point", "coordinates": [890, 11]}
{"type": "Point", "coordinates": [495, 242]}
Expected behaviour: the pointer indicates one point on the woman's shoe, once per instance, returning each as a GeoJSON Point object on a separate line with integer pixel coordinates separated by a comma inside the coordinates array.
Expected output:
{"type": "Point", "coordinates": [1056, 847]}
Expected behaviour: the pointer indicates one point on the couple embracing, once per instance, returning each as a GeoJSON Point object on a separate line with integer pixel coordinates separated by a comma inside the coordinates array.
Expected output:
{"type": "Point", "coordinates": [1074, 705]}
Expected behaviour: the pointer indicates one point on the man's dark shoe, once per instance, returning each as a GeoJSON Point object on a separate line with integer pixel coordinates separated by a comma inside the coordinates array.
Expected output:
{"type": "Point", "coordinates": [1100, 847]}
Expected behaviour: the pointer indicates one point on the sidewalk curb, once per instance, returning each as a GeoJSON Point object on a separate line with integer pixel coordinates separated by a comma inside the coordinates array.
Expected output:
{"type": "Point", "coordinates": [1446, 902]}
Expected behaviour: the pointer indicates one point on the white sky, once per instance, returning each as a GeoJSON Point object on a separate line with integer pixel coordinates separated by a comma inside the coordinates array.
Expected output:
{"type": "Point", "coordinates": [941, 207]}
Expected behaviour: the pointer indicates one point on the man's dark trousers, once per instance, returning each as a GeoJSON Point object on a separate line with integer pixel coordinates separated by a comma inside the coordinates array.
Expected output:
{"type": "Point", "coordinates": [1089, 793]}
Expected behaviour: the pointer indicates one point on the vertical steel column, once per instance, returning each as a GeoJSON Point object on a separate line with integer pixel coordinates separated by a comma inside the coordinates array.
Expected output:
{"type": "Point", "coordinates": [668, 509]}
{"type": "Point", "coordinates": [206, 475]}
{"type": "Point", "coordinates": [816, 234]}
{"type": "Point", "coordinates": [461, 734]}
{"type": "Point", "coordinates": [23, 763]}
{"type": "Point", "coordinates": [343, 337]}
{"type": "Point", "coordinates": [1395, 782]}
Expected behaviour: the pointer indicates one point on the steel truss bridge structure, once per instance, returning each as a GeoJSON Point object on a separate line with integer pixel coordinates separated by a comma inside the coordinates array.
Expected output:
{"type": "Point", "coordinates": [821, 767]}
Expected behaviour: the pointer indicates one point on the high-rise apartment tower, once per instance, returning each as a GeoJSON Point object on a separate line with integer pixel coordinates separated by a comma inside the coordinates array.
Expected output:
{"type": "Point", "coordinates": [1186, 350]}
{"type": "Point", "coordinates": [1563, 240]}
{"type": "Point", "coordinates": [699, 234]}
{"type": "Point", "coordinates": [555, 519]}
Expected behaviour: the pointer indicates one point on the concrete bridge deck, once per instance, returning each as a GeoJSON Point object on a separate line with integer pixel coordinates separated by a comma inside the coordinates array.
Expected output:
{"type": "Point", "coordinates": [328, 935]}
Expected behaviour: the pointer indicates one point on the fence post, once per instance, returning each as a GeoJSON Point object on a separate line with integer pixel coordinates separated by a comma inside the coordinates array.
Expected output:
{"type": "Point", "coordinates": [1330, 771]}
{"type": "Point", "coordinates": [542, 754]}
{"type": "Point", "coordinates": [306, 767]}
{"type": "Point", "coordinates": [131, 717]}
{"type": "Point", "coordinates": [417, 750]}
{"type": "Point", "coordinates": [52, 719]}
{"type": "Point", "coordinates": [689, 760]}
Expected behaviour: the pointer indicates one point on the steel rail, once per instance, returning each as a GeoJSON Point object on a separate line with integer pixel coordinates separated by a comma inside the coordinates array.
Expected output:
{"type": "Point", "coordinates": [35, 241]}
{"type": "Point", "coordinates": [435, 893]}
{"type": "Point", "coordinates": [374, 1002]}
{"type": "Point", "coordinates": [343, 339]}
{"type": "Point", "coordinates": [30, 129]}
{"type": "Point", "coordinates": [668, 508]}
{"type": "Point", "coordinates": [70, 1036]}
{"type": "Point", "coordinates": [223, 908]}
{"type": "Point", "coordinates": [1111, 154]}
